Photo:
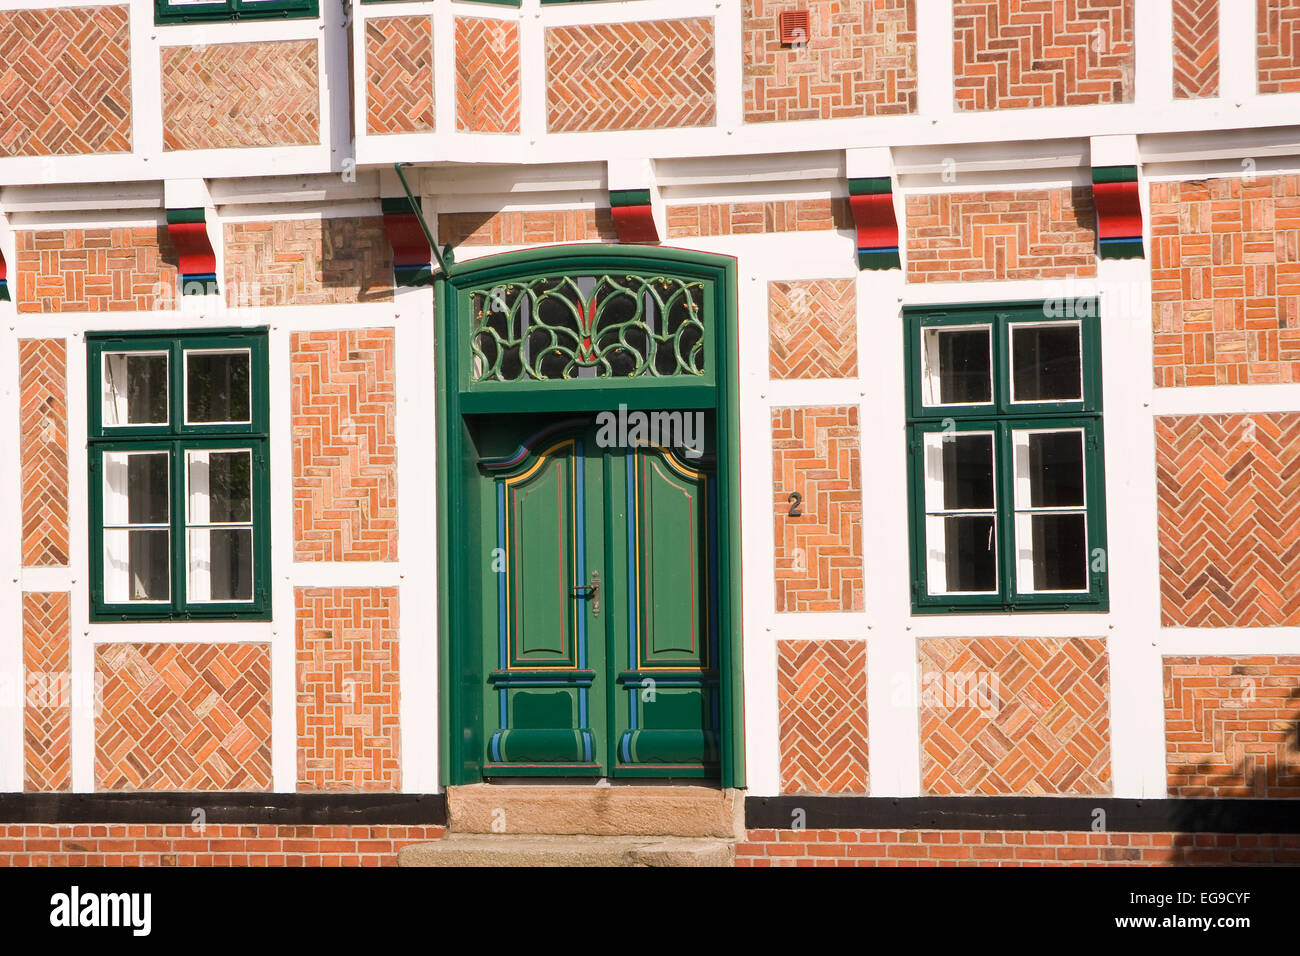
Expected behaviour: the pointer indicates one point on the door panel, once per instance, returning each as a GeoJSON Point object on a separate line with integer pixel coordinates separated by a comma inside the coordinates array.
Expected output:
{"type": "Point", "coordinates": [600, 650]}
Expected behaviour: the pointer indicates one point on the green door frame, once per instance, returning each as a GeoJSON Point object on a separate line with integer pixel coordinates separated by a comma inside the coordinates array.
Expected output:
{"type": "Point", "coordinates": [460, 665]}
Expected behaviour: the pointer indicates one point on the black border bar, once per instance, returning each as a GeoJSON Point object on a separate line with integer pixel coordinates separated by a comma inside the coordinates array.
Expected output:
{"type": "Point", "coordinates": [1023, 813]}
{"type": "Point", "coordinates": [282, 809]}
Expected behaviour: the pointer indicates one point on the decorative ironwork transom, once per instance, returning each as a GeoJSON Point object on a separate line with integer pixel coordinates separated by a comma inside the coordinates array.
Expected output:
{"type": "Point", "coordinates": [594, 326]}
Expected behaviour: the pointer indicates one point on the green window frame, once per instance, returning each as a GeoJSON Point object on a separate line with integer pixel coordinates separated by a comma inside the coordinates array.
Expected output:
{"type": "Point", "coordinates": [201, 11]}
{"type": "Point", "coordinates": [179, 476]}
{"type": "Point", "coordinates": [1006, 484]}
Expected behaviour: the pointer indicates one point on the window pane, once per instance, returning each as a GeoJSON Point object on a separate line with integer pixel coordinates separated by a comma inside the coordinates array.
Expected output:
{"type": "Point", "coordinates": [217, 387]}
{"type": "Point", "coordinates": [962, 554]}
{"type": "Point", "coordinates": [1046, 363]}
{"type": "Point", "coordinates": [1055, 469]}
{"type": "Point", "coordinates": [967, 471]}
{"type": "Point", "coordinates": [134, 388]}
{"type": "Point", "coordinates": [136, 565]}
{"type": "Point", "coordinates": [221, 564]}
{"type": "Point", "coordinates": [135, 488]}
{"type": "Point", "coordinates": [1060, 551]}
{"type": "Point", "coordinates": [220, 488]}
{"type": "Point", "coordinates": [956, 367]}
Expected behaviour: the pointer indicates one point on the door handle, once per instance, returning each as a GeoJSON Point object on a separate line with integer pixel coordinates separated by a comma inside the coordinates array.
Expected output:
{"type": "Point", "coordinates": [589, 591]}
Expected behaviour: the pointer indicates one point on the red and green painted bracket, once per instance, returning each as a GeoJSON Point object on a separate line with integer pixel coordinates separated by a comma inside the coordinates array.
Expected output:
{"type": "Point", "coordinates": [871, 201]}
{"type": "Point", "coordinates": [412, 254]}
{"type": "Point", "coordinates": [633, 215]}
{"type": "Point", "coordinates": [4, 279]}
{"type": "Point", "coordinates": [1119, 212]}
{"type": "Point", "coordinates": [188, 230]}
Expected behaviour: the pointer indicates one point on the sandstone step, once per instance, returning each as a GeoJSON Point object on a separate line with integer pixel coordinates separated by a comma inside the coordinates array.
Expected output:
{"type": "Point", "coordinates": [475, 849]}
{"type": "Point", "coordinates": [680, 811]}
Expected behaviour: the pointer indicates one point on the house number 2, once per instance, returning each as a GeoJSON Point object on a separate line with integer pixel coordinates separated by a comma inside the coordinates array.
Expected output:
{"type": "Point", "coordinates": [796, 500]}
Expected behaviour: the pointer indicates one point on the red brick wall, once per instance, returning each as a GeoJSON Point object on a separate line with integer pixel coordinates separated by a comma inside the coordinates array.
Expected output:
{"type": "Point", "coordinates": [94, 270]}
{"type": "Point", "coordinates": [748, 218]}
{"type": "Point", "coordinates": [1011, 54]}
{"type": "Point", "coordinates": [1011, 848]}
{"type": "Point", "coordinates": [1015, 716]}
{"type": "Point", "coordinates": [348, 689]}
{"type": "Point", "coordinates": [545, 226]}
{"type": "Point", "coordinates": [816, 453]}
{"type": "Point", "coordinates": [487, 75]}
{"type": "Point", "coordinates": [1196, 48]}
{"type": "Point", "coordinates": [43, 450]}
{"type": "Point", "coordinates": [1278, 52]}
{"type": "Point", "coordinates": [47, 705]}
{"type": "Point", "coordinates": [1228, 510]}
{"type": "Point", "coordinates": [1230, 726]}
{"type": "Point", "coordinates": [183, 717]}
{"type": "Point", "coordinates": [218, 844]}
{"type": "Point", "coordinates": [344, 401]}
{"type": "Point", "coordinates": [399, 74]}
{"type": "Point", "coordinates": [66, 84]}
{"type": "Point", "coordinates": [1225, 281]}
{"type": "Point", "coordinates": [813, 328]}
{"type": "Point", "coordinates": [858, 60]}
{"type": "Point", "coordinates": [331, 260]}
{"type": "Point", "coordinates": [227, 95]}
{"type": "Point", "coordinates": [650, 74]}
{"type": "Point", "coordinates": [981, 236]}
{"type": "Point", "coordinates": [821, 689]}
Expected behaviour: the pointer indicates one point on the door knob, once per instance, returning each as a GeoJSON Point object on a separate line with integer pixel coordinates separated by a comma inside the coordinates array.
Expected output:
{"type": "Point", "coordinates": [589, 591]}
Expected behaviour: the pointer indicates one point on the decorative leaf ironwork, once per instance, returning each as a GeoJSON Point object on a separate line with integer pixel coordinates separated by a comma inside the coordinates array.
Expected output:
{"type": "Point", "coordinates": [588, 326]}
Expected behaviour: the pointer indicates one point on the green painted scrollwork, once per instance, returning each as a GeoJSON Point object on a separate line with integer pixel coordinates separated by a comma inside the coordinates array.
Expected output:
{"type": "Point", "coordinates": [569, 327]}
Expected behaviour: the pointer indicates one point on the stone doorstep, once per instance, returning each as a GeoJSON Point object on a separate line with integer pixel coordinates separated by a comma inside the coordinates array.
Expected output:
{"type": "Point", "coordinates": [494, 849]}
{"type": "Point", "coordinates": [617, 811]}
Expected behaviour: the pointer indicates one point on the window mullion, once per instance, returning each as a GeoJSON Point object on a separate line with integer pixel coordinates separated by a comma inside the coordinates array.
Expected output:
{"type": "Point", "coordinates": [1004, 462]}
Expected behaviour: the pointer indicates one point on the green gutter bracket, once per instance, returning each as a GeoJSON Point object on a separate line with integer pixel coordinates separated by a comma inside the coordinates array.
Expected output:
{"type": "Point", "coordinates": [446, 258]}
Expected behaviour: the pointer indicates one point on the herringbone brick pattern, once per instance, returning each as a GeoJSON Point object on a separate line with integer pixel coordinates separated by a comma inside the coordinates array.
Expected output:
{"type": "Point", "coordinates": [333, 260]}
{"type": "Point", "coordinates": [813, 329]}
{"type": "Point", "coordinates": [240, 94]}
{"type": "Point", "coordinates": [821, 691]}
{"type": "Point", "coordinates": [399, 74]}
{"type": "Point", "coordinates": [43, 450]}
{"type": "Point", "coordinates": [816, 453]}
{"type": "Point", "coordinates": [1230, 726]}
{"type": "Point", "coordinates": [183, 717]}
{"type": "Point", "coordinates": [1277, 56]}
{"type": "Point", "coordinates": [47, 707]}
{"type": "Point", "coordinates": [1015, 716]}
{"type": "Point", "coordinates": [95, 270]}
{"type": "Point", "coordinates": [1013, 54]}
{"type": "Point", "coordinates": [65, 81]}
{"type": "Point", "coordinates": [1027, 234]}
{"type": "Point", "coordinates": [348, 689]}
{"type": "Point", "coordinates": [1196, 48]}
{"type": "Point", "coordinates": [746, 218]}
{"type": "Point", "coordinates": [1225, 281]}
{"type": "Point", "coordinates": [545, 226]}
{"type": "Point", "coordinates": [344, 446]}
{"type": "Point", "coordinates": [859, 60]}
{"type": "Point", "coordinates": [650, 74]}
{"type": "Point", "coordinates": [487, 75]}
{"type": "Point", "coordinates": [1229, 519]}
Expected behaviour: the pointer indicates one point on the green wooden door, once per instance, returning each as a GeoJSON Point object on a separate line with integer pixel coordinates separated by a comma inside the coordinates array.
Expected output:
{"type": "Point", "coordinates": [598, 603]}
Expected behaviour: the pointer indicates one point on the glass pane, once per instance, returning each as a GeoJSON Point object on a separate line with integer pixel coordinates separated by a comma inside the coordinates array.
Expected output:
{"type": "Point", "coordinates": [1059, 548]}
{"type": "Point", "coordinates": [136, 565]}
{"type": "Point", "coordinates": [962, 554]}
{"type": "Point", "coordinates": [134, 388]}
{"type": "Point", "coordinates": [220, 488]}
{"type": "Point", "coordinates": [221, 564]}
{"type": "Point", "coordinates": [957, 369]}
{"type": "Point", "coordinates": [135, 488]}
{"type": "Point", "coordinates": [1055, 469]}
{"type": "Point", "coordinates": [217, 387]}
{"type": "Point", "coordinates": [1046, 365]}
{"type": "Point", "coordinates": [967, 475]}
